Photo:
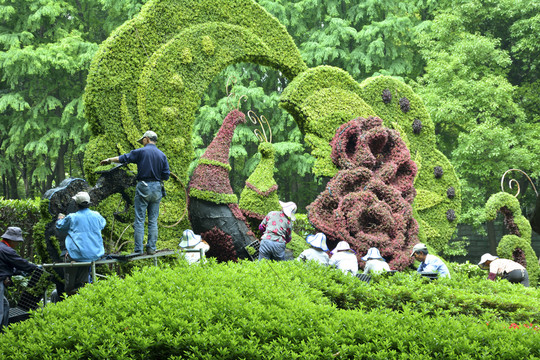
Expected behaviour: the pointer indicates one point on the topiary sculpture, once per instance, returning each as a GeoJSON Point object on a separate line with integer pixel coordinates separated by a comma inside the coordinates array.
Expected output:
{"type": "Point", "coordinates": [213, 206]}
{"type": "Point", "coordinates": [517, 244]}
{"type": "Point", "coordinates": [368, 202]}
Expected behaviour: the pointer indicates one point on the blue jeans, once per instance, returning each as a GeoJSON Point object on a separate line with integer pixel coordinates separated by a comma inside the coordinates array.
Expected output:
{"type": "Point", "coordinates": [4, 308]}
{"type": "Point", "coordinates": [147, 198]}
{"type": "Point", "coordinates": [272, 250]}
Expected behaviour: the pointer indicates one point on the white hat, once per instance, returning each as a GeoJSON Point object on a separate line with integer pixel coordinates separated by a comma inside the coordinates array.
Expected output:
{"type": "Point", "coordinates": [81, 197]}
{"type": "Point", "coordinates": [342, 246]}
{"type": "Point", "coordinates": [289, 208]}
{"type": "Point", "coordinates": [373, 253]}
{"type": "Point", "coordinates": [487, 257]}
{"type": "Point", "coordinates": [189, 239]}
{"type": "Point", "coordinates": [318, 240]}
{"type": "Point", "coordinates": [419, 247]}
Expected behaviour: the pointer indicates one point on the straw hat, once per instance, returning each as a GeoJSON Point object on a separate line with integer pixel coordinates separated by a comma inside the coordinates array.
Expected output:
{"type": "Point", "coordinates": [373, 253]}
{"type": "Point", "coordinates": [342, 246]}
{"type": "Point", "coordinates": [318, 240]}
{"type": "Point", "coordinates": [189, 239]}
{"type": "Point", "coordinates": [487, 257]}
{"type": "Point", "coordinates": [289, 208]}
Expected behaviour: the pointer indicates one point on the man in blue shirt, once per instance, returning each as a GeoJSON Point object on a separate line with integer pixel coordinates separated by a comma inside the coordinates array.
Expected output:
{"type": "Point", "coordinates": [429, 263]}
{"type": "Point", "coordinates": [83, 242]}
{"type": "Point", "coordinates": [152, 169]}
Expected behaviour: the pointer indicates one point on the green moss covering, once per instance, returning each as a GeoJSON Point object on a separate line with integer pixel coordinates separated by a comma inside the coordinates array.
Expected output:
{"type": "Point", "coordinates": [259, 196]}
{"type": "Point", "coordinates": [432, 202]}
{"type": "Point", "coordinates": [152, 72]}
{"type": "Point", "coordinates": [520, 232]}
{"type": "Point", "coordinates": [321, 99]}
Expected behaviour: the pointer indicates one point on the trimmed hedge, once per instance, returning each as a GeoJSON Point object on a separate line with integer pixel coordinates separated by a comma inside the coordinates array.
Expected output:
{"type": "Point", "coordinates": [517, 244]}
{"type": "Point", "coordinates": [287, 310]}
{"type": "Point", "coordinates": [152, 71]}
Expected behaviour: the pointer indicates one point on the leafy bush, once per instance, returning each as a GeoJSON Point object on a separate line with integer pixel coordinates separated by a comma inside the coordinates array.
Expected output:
{"type": "Point", "coordinates": [281, 310]}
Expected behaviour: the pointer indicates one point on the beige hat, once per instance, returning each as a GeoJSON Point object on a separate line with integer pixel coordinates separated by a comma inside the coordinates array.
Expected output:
{"type": "Point", "coordinates": [342, 246]}
{"type": "Point", "coordinates": [289, 208]}
{"type": "Point", "coordinates": [13, 233]}
{"type": "Point", "coordinates": [82, 197]}
{"type": "Point", "coordinates": [419, 247]}
{"type": "Point", "coordinates": [149, 134]}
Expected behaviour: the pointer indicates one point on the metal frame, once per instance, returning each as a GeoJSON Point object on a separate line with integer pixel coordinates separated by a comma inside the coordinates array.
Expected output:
{"type": "Point", "coordinates": [113, 261]}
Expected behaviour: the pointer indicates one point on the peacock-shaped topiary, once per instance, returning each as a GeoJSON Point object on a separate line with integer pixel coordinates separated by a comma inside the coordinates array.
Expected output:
{"type": "Point", "coordinates": [368, 203]}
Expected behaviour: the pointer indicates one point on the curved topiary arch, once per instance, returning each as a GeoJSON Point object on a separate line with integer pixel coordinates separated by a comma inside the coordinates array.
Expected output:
{"type": "Point", "coordinates": [517, 244]}
{"type": "Point", "coordinates": [153, 70]}
{"type": "Point", "coordinates": [321, 99]}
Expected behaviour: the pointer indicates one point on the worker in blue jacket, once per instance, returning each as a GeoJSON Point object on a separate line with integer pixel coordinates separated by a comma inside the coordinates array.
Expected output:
{"type": "Point", "coordinates": [84, 242]}
{"type": "Point", "coordinates": [10, 263]}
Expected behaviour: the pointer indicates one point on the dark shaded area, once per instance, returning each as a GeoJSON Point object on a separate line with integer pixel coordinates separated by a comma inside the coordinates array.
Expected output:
{"type": "Point", "coordinates": [535, 218]}
{"type": "Point", "coordinates": [205, 216]}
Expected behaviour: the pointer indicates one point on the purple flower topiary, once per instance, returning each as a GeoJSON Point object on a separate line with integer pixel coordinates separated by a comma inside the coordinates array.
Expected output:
{"type": "Point", "coordinates": [386, 96]}
{"type": "Point", "coordinates": [404, 104]}
{"type": "Point", "coordinates": [368, 203]}
{"type": "Point", "coordinates": [417, 126]}
{"type": "Point", "coordinates": [451, 215]}
{"type": "Point", "coordinates": [438, 172]}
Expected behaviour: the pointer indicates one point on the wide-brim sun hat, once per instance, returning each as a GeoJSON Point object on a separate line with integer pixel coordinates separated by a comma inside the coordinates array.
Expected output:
{"type": "Point", "coordinates": [487, 257]}
{"type": "Point", "coordinates": [13, 233]}
{"type": "Point", "coordinates": [373, 253]}
{"type": "Point", "coordinates": [318, 241]}
{"type": "Point", "coordinates": [289, 208]}
{"type": "Point", "coordinates": [189, 239]}
{"type": "Point", "coordinates": [419, 247]}
{"type": "Point", "coordinates": [342, 246]}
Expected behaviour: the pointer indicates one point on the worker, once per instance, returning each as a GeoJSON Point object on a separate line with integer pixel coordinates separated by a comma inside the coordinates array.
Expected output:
{"type": "Point", "coordinates": [317, 250]}
{"type": "Point", "coordinates": [375, 262]}
{"type": "Point", "coordinates": [504, 268]}
{"type": "Point", "coordinates": [429, 263]}
{"type": "Point", "coordinates": [344, 258]}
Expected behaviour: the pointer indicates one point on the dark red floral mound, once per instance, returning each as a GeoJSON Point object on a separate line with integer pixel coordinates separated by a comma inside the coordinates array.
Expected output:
{"type": "Point", "coordinates": [221, 245]}
{"type": "Point", "coordinates": [369, 202]}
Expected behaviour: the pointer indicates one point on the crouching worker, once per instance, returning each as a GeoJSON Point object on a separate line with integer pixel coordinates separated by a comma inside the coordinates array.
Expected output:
{"type": "Point", "coordinates": [10, 262]}
{"type": "Point", "coordinates": [83, 241]}
{"type": "Point", "coordinates": [191, 241]}
{"type": "Point", "coordinates": [429, 263]}
{"type": "Point", "coordinates": [317, 251]}
{"type": "Point", "coordinates": [344, 258]}
{"type": "Point", "coordinates": [375, 262]}
{"type": "Point", "coordinates": [506, 269]}
{"type": "Point", "coordinates": [276, 230]}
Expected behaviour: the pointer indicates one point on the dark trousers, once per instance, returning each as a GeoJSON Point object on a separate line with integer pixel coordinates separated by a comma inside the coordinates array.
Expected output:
{"type": "Point", "coordinates": [518, 276]}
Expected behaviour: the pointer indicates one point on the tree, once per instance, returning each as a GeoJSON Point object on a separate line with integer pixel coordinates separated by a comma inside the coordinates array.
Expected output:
{"type": "Point", "coordinates": [45, 51]}
{"type": "Point", "coordinates": [468, 91]}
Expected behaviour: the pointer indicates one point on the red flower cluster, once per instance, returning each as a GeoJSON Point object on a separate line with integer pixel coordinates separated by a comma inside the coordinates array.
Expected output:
{"type": "Point", "coordinates": [221, 245]}
{"type": "Point", "coordinates": [368, 203]}
{"type": "Point", "coordinates": [528, 326]}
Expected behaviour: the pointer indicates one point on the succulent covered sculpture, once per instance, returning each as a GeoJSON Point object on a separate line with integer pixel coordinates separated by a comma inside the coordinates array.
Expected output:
{"type": "Point", "coordinates": [368, 202]}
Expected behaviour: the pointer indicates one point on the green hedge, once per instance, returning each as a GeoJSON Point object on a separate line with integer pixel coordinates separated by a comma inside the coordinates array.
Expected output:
{"type": "Point", "coordinates": [287, 310]}
{"type": "Point", "coordinates": [152, 71]}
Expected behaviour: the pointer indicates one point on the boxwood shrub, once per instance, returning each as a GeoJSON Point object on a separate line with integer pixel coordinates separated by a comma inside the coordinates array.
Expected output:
{"type": "Point", "coordinates": [287, 310]}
